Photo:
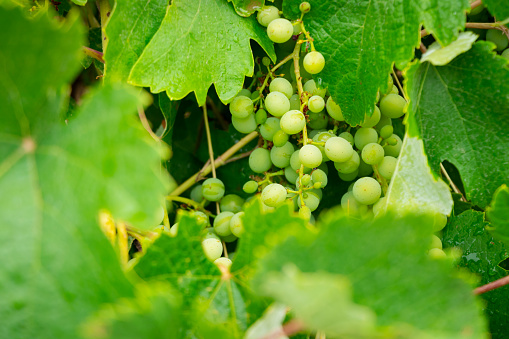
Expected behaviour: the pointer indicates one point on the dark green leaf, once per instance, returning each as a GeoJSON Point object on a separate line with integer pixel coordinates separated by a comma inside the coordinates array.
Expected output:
{"type": "Point", "coordinates": [247, 7]}
{"type": "Point", "coordinates": [497, 8]}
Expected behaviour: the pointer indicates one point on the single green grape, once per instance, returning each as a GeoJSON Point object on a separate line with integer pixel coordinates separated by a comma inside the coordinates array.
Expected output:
{"type": "Point", "coordinates": [222, 224]}
{"type": "Point", "coordinates": [394, 90]}
{"type": "Point", "coordinates": [295, 162]}
{"type": "Point", "coordinates": [316, 104]}
{"type": "Point", "coordinates": [439, 222]}
{"type": "Point", "coordinates": [435, 242]}
{"type": "Point", "coordinates": [311, 87]}
{"type": "Point", "coordinates": [244, 92]}
{"type": "Point", "coordinates": [269, 128]}
{"type": "Point", "coordinates": [212, 189]}
{"type": "Point", "coordinates": [210, 234]}
{"type": "Point", "coordinates": [223, 262]}
{"type": "Point", "coordinates": [319, 176]}
{"type": "Point", "coordinates": [372, 153]}
{"type": "Point", "coordinates": [387, 167]}
{"type": "Point", "coordinates": [280, 156]}
{"type": "Point", "coordinates": [373, 119]}
{"type": "Point", "coordinates": [196, 193]}
{"type": "Point", "coordinates": [365, 136]}
{"type": "Point", "coordinates": [334, 110]}
{"type": "Point", "coordinates": [350, 165]}
{"type": "Point", "coordinates": [305, 212]}
{"type": "Point", "coordinates": [295, 102]}
{"type": "Point", "coordinates": [277, 104]}
{"type": "Point", "coordinates": [291, 175]}
{"type": "Point", "coordinates": [352, 206]}
{"type": "Point", "coordinates": [231, 203]}
{"type": "Point", "coordinates": [317, 121]}
{"type": "Point", "coordinates": [304, 7]}
{"type": "Point", "coordinates": [322, 137]}
{"type": "Point", "coordinates": [347, 136]}
{"type": "Point", "coordinates": [311, 200]}
{"type": "Point", "coordinates": [266, 60]}
{"type": "Point", "coordinates": [310, 156]}
{"type": "Point", "coordinates": [241, 107]}
{"type": "Point", "coordinates": [393, 150]}
{"type": "Point", "coordinates": [313, 133]}
{"type": "Point", "coordinates": [386, 131]}
{"type": "Point", "coordinates": [306, 179]}
{"type": "Point", "coordinates": [314, 62]}
{"type": "Point", "coordinates": [174, 230]}
{"type": "Point", "coordinates": [349, 176]}
{"type": "Point", "coordinates": [273, 195]}
{"type": "Point", "coordinates": [281, 85]}
{"type": "Point", "coordinates": [280, 30]}
{"type": "Point", "coordinates": [293, 122]}
{"type": "Point", "coordinates": [237, 224]}
{"type": "Point", "coordinates": [437, 253]}
{"type": "Point", "coordinates": [393, 106]}
{"type": "Point", "coordinates": [201, 218]}
{"type": "Point", "coordinates": [250, 187]}
{"type": "Point", "coordinates": [246, 125]}
{"type": "Point", "coordinates": [229, 238]}
{"type": "Point", "coordinates": [364, 170]}
{"type": "Point", "coordinates": [267, 14]}
{"type": "Point", "coordinates": [259, 160]}
{"type": "Point", "coordinates": [498, 38]}
{"type": "Point", "coordinates": [384, 121]}
{"type": "Point", "coordinates": [261, 116]}
{"type": "Point", "coordinates": [367, 190]}
{"type": "Point", "coordinates": [338, 149]}
{"type": "Point", "coordinates": [213, 248]}
{"type": "Point", "coordinates": [255, 95]}
{"type": "Point", "coordinates": [280, 138]}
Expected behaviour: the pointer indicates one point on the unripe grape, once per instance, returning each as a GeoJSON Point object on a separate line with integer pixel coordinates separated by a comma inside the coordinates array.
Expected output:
{"type": "Point", "coordinates": [250, 187]}
{"type": "Point", "coordinates": [210, 234]}
{"type": "Point", "coordinates": [237, 224]}
{"type": "Point", "coordinates": [267, 14]}
{"type": "Point", "coordinates": [349, 176]}
{"type": "Point", "coordinates": [223, 262]}
{"type": "Point", "coordinates": [386, 131]}
{"type": "Point", "coordinates": [280, 30]}
{"type": "Point", "coordinates": [281, 85]}
{"type": "Point", "coordinates": [352, 206]}
{"type": "Point", "coordinates": [439, 222]}
{"type": "Point", "coordinates": [393, 106]}
{"type": "Point", "coordinates": [347, 136]}
{"type": "Point", "coordinates": [229, 238]}
{"type": "Point", "coordinates": [201, 218]}
{"type": "Point", "coordinates": [334, 110]}
{"type": "Point", "coordinates": [244, 92]}
{"type": "Point", "coordinates": [311, 200]}
{"type": "Point", "coordinates": [292, 122]}
{"type": "Point", "coordinates": [310, 156]}
{"type": "Point", "coordinates": [261, 116]}
{"type": "Point", "coordinates": [393, 150]}
{"type": "Point", "coordinates": [246, 125]}
{"type": "Point", "coordinates": [364, 169]}
{"type": "Point", "coordinates": [241, 107]}
{"type": "Point", "coordinates": [435, 242]}
{"type": "Point", "coordinates": [213, 248]}
{"type": "Point", "coordinates": [316, 103]}
{"type": "Point", "coordinates": [306, 179]}
{"type": "Point", "coordinates": [365, 136]}
{"type": "Point", "coordinates": [317, 120]}
{"type": "Point", "coordinates": [377, 207]}
{"type": "Point", "coordinates": [174, 230]}
{"type": "Point", "coordinates": [222, 224]}
{"type": "Point", "coordinates": [372, 120]}
{"type": "Point", "coordinates": [394, 90]}
{"type": "Point", "coordinates": [304, 7]}
{"type": "Point", "coordinates": [498, 38]}
{"type": "Point", "coordinates": [311, 87]}
{"type": "Point", "coordinates": [295, 162]}
{"type": "Point", "coordinates": [280, 156]}
{"type": "Point", "coordinates": [384, 121]}
{"type": "Point", "coordinates": [350, 165]}
{"type": "Point", "coordinates": [437, 253]}
{"type": "Point", "coordinates": [305, 212]}
{"type": "Point", "coordinates": [269, 128]}
{"type": "Point", "coordinates": [259, 160]}
{"type": "Point", "coordinates": [212, 189]}
{"type": "Point", "coordinates": [387, 167]}
{"type": "Point", "coordinates": [319, 177]}
{"type": "Point", "coordinates": [231, 203]}
{"type": "Point", "coordinates": [291, 175]}
{"type": "Point", "coordinates": [196, 193]}
{"type": "Point", "coordinates": [372, 153]}
{"type": "Point", "coordinates": [338, 149]}
{"type": "Point", "coordinates": [280, 138]}
{"type": "Point", "coordinates": [273, 195]}
{"type": "Point", "coordinates": [295, 102]}
{"type": "Point", "coordinates": [314, 62]}
{"type": "Point", "coordinates": [277, 104]}
{"type": "Point", "coordinates": [367, 190]}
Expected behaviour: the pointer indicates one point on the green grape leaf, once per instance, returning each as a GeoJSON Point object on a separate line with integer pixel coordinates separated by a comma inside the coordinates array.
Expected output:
{"type": "Point", "coordinates": [131, 26]}
{"type": "Point", "coordinates": [386, 263]}
{"type": "Point", "coordinates": [169, 109]}
{"type": "Point", "coordinates": [322, 300]}
{"type": "Point", "coordinates": [481, 254]}
{"type": "Point", "coordinates": [413, 187]}
{"type": "Point", "coordinates": [456, 106]}
{"type": "Point", "coordinates": [441, 55]}
{"type": "Point", "coordinates": [497, 8]}
{"type": "Point", "coordinates": [247, 7]}
{"type": "Point", "coordinates": [271, 320]}
{"type": "Point", "coordinates": [498, 214]}
{"type": "Point", "coordinates": [207, 39]}
{"type": "Point", "coordinates": [55, 177]}
{"type": "Point", "coordinates": [181, 261]}
{"type": "Point", "coordinates": [361, 40]}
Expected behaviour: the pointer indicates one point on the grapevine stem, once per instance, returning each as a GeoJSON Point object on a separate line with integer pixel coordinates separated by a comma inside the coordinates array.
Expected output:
{"type": "Point", "coordinates": [187, 201]}
{"type": "Point", "coordinates": [395, 76]}
{"type": "Point", "coordinates": [221, 160]}
{"type": "Point", "coordinates": [380, 179]}
{"type": "Point", "coordinates": [290, 328]}
{"type": "Point", "coordinates": [308, 37]}
{"type": "Point", "coordinates": [454, 187]}
{"type": "Point", "coordinates": [422, 48]}
{"type": "Point", "coordinates": [240, 156]}
{"type": "Point", "coordinates": [492, 285]}
{"type": "Point", "coordinates": [481, 25]}
{"type": "Point", "coordinates": [209, 140]}
{"type": "Point", "coordinates": [217, 113]}
{"type": "Point", "coordinates": [93, 53]}
{"type": "Point", "coordinates": [272, 70]}
{"type": "Point", "coordinates": [144, 122]}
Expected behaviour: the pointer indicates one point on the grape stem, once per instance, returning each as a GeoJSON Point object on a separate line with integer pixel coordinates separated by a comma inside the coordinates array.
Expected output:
{"type": "Point", "coordinates": [380, 179]}
{"type": "Point", "coordinates": [272, 70]}
{"type": "Point", "coordinates": [270, 175]}
{"type": "Point", "coordinates": [395, 76]}
{"type": "Point", "coordinates": [290, 328]}
{"type": "Point", "coordinates": [219, 161]}
{"type": "Point", "coordinates": [453, 186]}
{"type": "Point", "coordinates": [217, 113]}
{"type": "Point", "coordinates": [481, 25]}
{"type": "Point", "coordinates": [93, 53]}
{"type": "Point", "coordinates": [211, 150]}
{"type": "Point", "coordinates": [189, 202]}
{"type": "Point", "coordinates": [492, 285]}
{"type": "Point", "coordinates": [144, 122]}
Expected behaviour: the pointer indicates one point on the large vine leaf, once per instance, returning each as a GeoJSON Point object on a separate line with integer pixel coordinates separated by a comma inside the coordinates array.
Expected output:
{"type": "Point", "coordinates": [389, 271]}
{"type": "Point", "coordinates": [360, 41]}
{"type": "Point", "coordinates": [247, 7]}
{"type": "Point", "coordinates": [133, 23]}
{"type": "Point", "coordinates": [498, 214]}
{"type": "Point", "coordinates": [55, 178]}
{"type": "Point", "coordinates": [206, 40]}
{"type": "Point", "coordinates": [482, 254]}
{"type": "Point", "coordinates": [413, 187]}
{"type": "Point", "coordinates": [460, 111]}
{"type": "Point", "coordinates": [497, 8]}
